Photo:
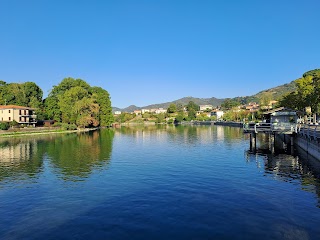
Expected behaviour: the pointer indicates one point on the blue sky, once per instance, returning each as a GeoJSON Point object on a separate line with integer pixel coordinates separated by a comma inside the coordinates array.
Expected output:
{"type": "Point", "coordinates": [146, 52]}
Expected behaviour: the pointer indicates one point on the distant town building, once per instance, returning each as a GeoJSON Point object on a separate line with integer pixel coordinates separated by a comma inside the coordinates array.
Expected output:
{"type": "Point", "coordinates": [217, 113]}
{"type": "Point", "coordinates": [205, 107]}
{"type": "Point", "coordinates": [160, 110]}
{"type": "Point", "coordinates": [143, 111]}
{"type": "Point", "coordinates": [252, 107]}
{"type": "Point", "coordinates": [137, 112]}
{"type": "Point", "coordinates": [117, 112]}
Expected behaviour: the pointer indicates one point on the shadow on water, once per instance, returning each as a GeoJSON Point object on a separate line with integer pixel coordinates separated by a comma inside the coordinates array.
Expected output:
{"type": "Point", "coordinates": [74, 156]}
{"type": "Point", "coordinates": [287, 164]}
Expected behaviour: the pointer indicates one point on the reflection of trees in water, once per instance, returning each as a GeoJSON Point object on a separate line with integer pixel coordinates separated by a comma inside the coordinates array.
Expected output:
{"type": "Point", "coordinates": [76, 155]}
{"type": "Point", "coordinates": [188, 134]}
{"type": "Point", "coordinates": [295, 169]}
{"type": "Point", "coordinates": [21, 158]}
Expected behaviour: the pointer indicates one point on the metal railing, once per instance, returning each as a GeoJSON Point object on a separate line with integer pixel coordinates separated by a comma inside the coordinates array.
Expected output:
{"type": "Point", "coordinates": [270, 127]}
{"type": "Point", "coordinates": [309, 131]}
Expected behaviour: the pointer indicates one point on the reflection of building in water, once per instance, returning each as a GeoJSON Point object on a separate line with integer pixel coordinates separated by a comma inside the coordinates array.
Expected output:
{"type": "Point", "coordinates": [18, 152]}
{"type": "Point", "coordinates": [288, 168]}
{"type": "Point", "coordinates": [205, 134]}
{"type": "Point", "coordinates": [220, 133]}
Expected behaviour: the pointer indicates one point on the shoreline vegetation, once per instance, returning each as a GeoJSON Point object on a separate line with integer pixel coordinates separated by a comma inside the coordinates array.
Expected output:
{"type": "Point", "coordinates": [75, 106]}
{"type": "Point", "coordinates": [38, 131]}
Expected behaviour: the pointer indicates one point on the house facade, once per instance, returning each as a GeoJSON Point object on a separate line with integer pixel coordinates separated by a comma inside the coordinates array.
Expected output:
{"type": "Point", "coordinates": [217, 113]}
{"type": "Point", "coordinates": [205, 107]}
{"type": "Point", "coordinates": [20, 114]}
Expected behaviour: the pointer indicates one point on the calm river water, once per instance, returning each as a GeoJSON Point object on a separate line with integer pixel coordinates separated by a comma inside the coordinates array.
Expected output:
{"type": "Point", "coordinates": [154, 183]}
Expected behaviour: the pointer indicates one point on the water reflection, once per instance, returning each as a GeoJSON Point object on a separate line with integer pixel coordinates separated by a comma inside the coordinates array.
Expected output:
{"type": "Point", "coordinates": [77, 155]}
{"type": "Point", "coordinates": [20, 158]}
{"type": "Point", "coordinates": [188, 134]}
{"type": "Point", "coordinates": [74, 156]}
{"type": "Point", "coordinates": [302, 171]}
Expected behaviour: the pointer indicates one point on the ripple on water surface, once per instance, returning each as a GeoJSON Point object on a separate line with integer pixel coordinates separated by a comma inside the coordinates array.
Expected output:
{"type": "Point", "coordinates": [157, 182]}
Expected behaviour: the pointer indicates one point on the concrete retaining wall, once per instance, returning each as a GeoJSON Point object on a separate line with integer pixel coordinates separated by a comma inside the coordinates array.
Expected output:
{"type": "Point", "coordinates": [229, 124]}
{"type": "Point", "coordinates": [309, 146]}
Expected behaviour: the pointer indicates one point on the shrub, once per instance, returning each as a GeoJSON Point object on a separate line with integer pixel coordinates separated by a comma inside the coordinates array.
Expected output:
{"type": "Point", "coordinates": [4, 126]}
{"type": "Point", "coordinates": [66, 126]}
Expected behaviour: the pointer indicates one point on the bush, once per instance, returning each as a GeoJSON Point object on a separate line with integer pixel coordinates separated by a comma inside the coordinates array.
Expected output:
{"type": "Point", "coordinates": [66, 126]}
{"type": "Point", "coordinates": [14, 124]}
{"type": "Point", "coordinates": [4, 126]}
{"type": "Point", "coordinates": [57, 124]}
{"type": "Point", "coordinates": [170, 121]}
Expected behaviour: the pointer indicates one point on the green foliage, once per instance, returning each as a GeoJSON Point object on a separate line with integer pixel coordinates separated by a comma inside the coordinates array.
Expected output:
{"type": "Point", "coordinates": [23, 94]}
{"type": "Point", "coordinates": [172, 108]}
{"type": "Point", "coordinates": [160, 118]}
{"type": "Point", "coordinates": [179, 118]}
{"type": "Point", "coordinates": [307, 93]}
{"type": "Point", "coordinates": [192, 106]}
{"type": "Point", "coordinates": [13, 123]}
{"type": "Point", "coordinates": [203, 117]}
{"type": "Point", "coordinates": [192, 114]}
{"type": "Point", "coordinates": [125, 117]}
{"type": "Point", "coordinates": [73, 101]}
{"type": "Point", "coordinates": [240, 115]}
{"type": "Point", "coordinates": [179, 107]}
{"type": "Point", "coordinates": [265, 98]}
{"type": "Point", "coordinates": [105, 111]}
{"type": "Point", "coordinates": [170, 121]}
{"type": "Point", "coordinates": [66, 126]}
{"type": "Point", "coordinates": [4, 126]}
{"type": "Point", "coordinates": [229, 103]}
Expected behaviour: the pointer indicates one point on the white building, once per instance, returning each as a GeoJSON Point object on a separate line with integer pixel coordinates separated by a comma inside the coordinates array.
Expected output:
{"type": "Point", "coordinates": [143, 111]}
{"type": "Point", "coordinates": [205, 107]}
{"type": "Point", "coordinates": [217, 113]}
{"type": "Point", "coordinates": [117, 112]}
{"type": "Point", "coordinates": [160, 110]}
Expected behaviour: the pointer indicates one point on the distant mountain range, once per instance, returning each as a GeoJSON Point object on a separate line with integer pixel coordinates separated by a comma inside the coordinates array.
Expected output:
{"type": "Point", "coordinates": [276, 92]}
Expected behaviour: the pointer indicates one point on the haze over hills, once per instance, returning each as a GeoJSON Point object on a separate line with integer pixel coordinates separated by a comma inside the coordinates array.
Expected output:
{"type": "Point", "coordinates": [275, 92]}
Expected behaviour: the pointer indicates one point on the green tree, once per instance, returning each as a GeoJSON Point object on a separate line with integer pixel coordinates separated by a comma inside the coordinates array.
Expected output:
{"type": "Point", "coordinates": [192, 114]}
{"type": "Point", "coordinates": [229, 103]}
{"type": "Point", "coordinates": [265, 98]}
{"type": "Point", "coordinates": [74, 101]}
{"type": "Point", "coordinates": [172, 108]}
{"type": "Point", "coordinates": [105, 110]}
{"type": "Point", "coordinates": [192, 106]}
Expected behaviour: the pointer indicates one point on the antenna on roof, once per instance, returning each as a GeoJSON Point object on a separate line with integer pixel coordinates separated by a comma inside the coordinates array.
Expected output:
{"type": "Point", "coordinates": [5, 102]}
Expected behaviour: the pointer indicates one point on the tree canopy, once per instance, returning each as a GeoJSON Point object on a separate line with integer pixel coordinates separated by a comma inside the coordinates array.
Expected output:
{"type": "Point", "coordinates": [26, 94]}
{"type": "Point", "coordinates": [307, 93]}
{"type": "Point", "coordinates": [74, 101]}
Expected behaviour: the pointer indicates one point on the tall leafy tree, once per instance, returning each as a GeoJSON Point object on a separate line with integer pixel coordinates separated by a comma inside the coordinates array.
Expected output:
{"type": "Point", "coordinates": [105, 111]}
{"type": "Point", "coordinates": [307, 93]}
{"type": "Point", "coordinates": [75, 101]}
{"type": "Point", "coordinates": [172, 108]}
{"type": "Point", "coordinates": [192, 106]}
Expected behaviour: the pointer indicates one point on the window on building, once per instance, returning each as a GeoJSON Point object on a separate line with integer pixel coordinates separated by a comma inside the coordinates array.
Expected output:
{"type": "Point", "coordinates": [9, 111]}
{"type": "Point", "coordinates": [9, 118]}
{"type": "Point", "coordinates": [20, 112]}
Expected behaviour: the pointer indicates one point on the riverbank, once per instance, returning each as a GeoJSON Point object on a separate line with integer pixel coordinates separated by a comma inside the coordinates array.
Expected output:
{"type": "Point", "coordinates": [40, 131]}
